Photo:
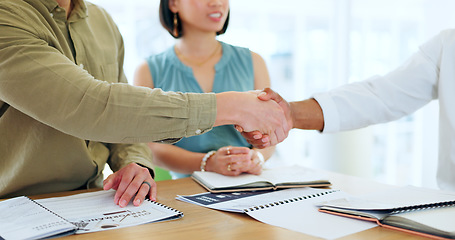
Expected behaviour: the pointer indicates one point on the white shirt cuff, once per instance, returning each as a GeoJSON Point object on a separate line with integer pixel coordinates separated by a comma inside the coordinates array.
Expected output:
{"type": "Point", "coordinates": [330, 112]}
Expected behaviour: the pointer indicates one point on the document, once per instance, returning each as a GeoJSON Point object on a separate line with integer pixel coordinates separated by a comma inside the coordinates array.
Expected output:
{"type": "Point", "coordinates": [96, 211]}
{"type": "Point", "coordinates": [24, 218]}
{"type": "Point", "coordinates": [294, 209]}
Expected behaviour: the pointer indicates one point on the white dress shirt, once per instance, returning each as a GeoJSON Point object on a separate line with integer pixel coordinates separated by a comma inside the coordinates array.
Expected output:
{"type": "Point", "coordinates": [429, 74]}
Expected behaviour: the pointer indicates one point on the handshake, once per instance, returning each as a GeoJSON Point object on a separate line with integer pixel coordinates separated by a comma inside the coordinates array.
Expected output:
{"type": "Point", "coordinates": [264, 118]}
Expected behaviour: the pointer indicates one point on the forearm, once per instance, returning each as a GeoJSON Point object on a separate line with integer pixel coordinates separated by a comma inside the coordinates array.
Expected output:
{"type": "Point", "coordinates": [307, 114]}
{"type": "Point", "coordinates": [225, 113]}
{"type": "Point", "coordinates": [70, 100]}
{"type": "Point", "coordinates": [175, 158]}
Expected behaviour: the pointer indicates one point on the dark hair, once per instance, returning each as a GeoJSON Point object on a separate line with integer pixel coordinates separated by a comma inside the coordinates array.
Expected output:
{"type": "Point", "coordinates": [167, 20]}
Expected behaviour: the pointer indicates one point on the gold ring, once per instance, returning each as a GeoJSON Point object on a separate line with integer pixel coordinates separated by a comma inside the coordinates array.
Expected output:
{"type": "Point", "coordinates": [228, 151]}
{"type": "Point", "coordinates": [229, 167]}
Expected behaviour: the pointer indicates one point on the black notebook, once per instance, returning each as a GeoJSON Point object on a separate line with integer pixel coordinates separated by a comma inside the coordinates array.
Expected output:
{"type": "Point", "coordinates": [24, 218]}
{"type": "Point", "coordinates": [426, 212]}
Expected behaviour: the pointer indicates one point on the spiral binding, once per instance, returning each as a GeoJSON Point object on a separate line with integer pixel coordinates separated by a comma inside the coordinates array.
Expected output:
{"type": "Point", "coordinates": [255, 208]}
{"type": "Point", "coordinates": [423, 207]}
{"type": "Point", "coordinates": [45, 208]}
{"type": "Point", "coordinates": [167, 207]}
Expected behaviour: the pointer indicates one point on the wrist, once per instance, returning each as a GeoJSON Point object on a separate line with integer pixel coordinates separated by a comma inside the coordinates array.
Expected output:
{"type": "Point", "coordinates": [228, 111]}
{"type": "Point", "coordinates": [307, 114]}
{"type": "Point", "coordinates": [206, 157]}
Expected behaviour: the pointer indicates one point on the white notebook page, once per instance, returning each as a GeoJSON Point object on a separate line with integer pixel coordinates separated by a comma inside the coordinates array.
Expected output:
{"type": "Point", "coordinates": [21, 218]}
{"type": "Point", "coordinates": [303, 216]}
{"type": "Point", "coordinates": [96, 211]}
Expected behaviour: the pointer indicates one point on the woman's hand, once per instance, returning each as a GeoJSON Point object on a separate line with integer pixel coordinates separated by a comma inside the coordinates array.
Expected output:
{"type": "Point", "coordinates": [232, 161]}
{"type": "Point", "coordinates": [257, 160]}
{"type": "Point", "coordinates": [131, 181]}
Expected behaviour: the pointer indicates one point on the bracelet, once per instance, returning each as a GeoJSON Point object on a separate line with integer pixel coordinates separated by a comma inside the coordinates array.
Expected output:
{"type": "Point", "coordinates": [205, 158]}
{"type": "Point", "coordinates": [261, 158]}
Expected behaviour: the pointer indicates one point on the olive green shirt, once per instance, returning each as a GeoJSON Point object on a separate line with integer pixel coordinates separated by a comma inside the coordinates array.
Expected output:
{"type": "Point", "coordinates": [71, 110]}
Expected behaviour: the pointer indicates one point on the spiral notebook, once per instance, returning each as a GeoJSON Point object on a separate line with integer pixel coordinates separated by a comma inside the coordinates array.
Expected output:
{"type": "Point", "coordinates": [426, 212]}
{"type": "Point", "coordinates": [23, 218]}
{"type": "Point", "coordinates": [295, 209]}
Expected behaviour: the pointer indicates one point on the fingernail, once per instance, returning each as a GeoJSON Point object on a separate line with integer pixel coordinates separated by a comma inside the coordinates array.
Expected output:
{"type": "Point", "coordinates": [137, 202]}
{"type": "Point", "coordinates": [123, 203]}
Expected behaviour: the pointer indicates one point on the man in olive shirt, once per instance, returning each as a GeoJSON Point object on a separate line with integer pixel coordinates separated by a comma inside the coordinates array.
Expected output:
{"type": "Point", "coordinates": [66, 108]}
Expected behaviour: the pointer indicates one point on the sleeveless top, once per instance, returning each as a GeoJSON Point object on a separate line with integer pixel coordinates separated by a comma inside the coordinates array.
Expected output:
{"type": "Point", "coordinates": [233, 72]}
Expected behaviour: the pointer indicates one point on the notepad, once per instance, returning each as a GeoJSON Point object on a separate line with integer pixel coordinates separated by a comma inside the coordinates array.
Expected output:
{"type": "Point", "coordinates": [294, 209]}
{"type": "Point", "coordinates": [23, 218]}
{"type": "Point", "coordinates": [422, 211]}
{"type": "Point", "coordinates": [276, 178]}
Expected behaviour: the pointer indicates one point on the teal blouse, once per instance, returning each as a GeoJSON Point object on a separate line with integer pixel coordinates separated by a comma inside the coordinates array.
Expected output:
{"type": "Point", "coordinates": [234, 72]}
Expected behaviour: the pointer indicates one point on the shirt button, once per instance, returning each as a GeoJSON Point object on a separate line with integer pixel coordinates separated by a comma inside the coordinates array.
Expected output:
{"type": "Point", "coordinates": [58, 9]}
{"type": "Point", "coordinates": [199, 131]}
{"type": "Point", "coordinates": [52, 15]}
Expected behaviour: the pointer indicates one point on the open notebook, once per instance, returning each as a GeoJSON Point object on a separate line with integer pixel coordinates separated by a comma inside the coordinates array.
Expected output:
{"type": "Point", "coordinates": [24, 218]}
{"type": "Point", "coordinates": [276, 178]}
{"type": "Point", "coordinates": [421, 211]}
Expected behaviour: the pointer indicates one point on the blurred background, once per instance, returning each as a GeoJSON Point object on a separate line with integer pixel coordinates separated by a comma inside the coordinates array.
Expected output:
{"type": "Point", "coordinates": [315, 45]}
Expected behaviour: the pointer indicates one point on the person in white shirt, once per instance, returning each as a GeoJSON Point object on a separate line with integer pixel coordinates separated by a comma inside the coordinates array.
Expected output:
{"type": "Point", "coordinates": [428, 75]}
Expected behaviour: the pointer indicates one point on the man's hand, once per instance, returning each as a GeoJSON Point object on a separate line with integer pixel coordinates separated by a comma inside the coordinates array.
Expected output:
{"type": "Point", "coordinates": [244, 109]}
{"type": "Point", "coordinates": [256, 138]}
{"type": "Point", "coordinates": [131, 181]}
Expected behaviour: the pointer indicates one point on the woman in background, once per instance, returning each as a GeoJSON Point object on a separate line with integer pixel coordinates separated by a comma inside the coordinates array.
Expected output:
{"type": "Point", "coordinates": [199, 63]}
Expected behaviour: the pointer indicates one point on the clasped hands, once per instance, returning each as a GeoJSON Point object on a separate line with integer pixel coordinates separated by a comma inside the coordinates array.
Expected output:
{"type": "Point", "coordinates": [232, 161]}
{"type": "Point", "coordinates": [265, 139]}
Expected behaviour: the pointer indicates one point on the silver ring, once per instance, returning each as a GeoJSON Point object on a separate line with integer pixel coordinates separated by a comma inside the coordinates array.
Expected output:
{"type": "Point", "coordinates": [150, 186]}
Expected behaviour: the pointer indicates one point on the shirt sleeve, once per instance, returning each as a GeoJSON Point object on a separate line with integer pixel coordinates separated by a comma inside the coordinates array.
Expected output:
{"type": "Point", "coordinates": [42, 83]}
{"type": "Point", "coordinates": [384, 98]}
{"type": "Point", "coordinates": [124, 154]}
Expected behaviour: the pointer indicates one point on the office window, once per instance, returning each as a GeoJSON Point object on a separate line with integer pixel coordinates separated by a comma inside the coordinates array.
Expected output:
{"type": "Point", "coordinates": [311, 46]}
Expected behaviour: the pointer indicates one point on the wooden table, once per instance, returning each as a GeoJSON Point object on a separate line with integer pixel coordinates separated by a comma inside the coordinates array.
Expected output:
{"type": "Point", "coordinates": [203, 223]}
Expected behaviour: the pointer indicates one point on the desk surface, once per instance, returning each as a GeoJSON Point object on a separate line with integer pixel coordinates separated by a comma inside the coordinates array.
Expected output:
{"type": "Point", "coordinates": [204, 223]}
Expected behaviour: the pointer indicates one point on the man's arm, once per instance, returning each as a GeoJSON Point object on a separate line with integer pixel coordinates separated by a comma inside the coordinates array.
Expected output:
{"type": "Point", "coordinates": [307, 114]}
